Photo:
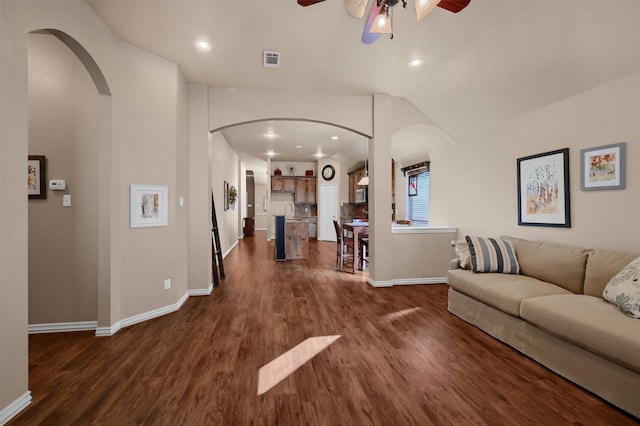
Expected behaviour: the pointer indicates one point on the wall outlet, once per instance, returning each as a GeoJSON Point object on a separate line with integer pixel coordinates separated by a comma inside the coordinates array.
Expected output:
{"type": "Point", "coordinates": [167, 284]}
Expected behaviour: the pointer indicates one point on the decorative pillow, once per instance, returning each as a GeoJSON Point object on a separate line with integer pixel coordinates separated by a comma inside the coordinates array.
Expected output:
{"type": "Point", "coordinates": [462, 251]}
{"type": "Point", "coordinates": [492, 255]}
{"type": "Point", "coordinates": [624, 289]}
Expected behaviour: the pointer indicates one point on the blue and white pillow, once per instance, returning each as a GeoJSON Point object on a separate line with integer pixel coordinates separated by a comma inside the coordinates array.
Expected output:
{"type": "Point", "coordinates": [492, 255]}
{"type": "Point", "coordinates": [624, 289]}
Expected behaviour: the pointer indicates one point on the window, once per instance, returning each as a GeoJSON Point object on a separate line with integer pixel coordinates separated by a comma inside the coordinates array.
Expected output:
{"type": "Point", "coordinates": [418, 204]}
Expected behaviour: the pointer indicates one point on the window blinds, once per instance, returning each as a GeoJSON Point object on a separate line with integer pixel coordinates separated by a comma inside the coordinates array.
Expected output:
{"type": "Point", "coordinates": [418, 205]}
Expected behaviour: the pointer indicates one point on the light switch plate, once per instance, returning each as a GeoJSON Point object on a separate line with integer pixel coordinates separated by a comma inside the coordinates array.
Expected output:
{"type": "Point", "coordinates": [66, 200]}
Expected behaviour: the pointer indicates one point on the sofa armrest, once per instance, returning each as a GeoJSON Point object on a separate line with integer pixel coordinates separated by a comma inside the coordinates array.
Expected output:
{"type": "Point", "coordinates": [454, 264]}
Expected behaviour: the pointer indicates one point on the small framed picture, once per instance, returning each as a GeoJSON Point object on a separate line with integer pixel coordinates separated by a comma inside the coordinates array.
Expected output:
{"type": "Point", "coordinates": [149, 206]}
{"type": "Point", "coordinates": [603, 167]}
{"type": "Point", "coordinates": [36, 177]}
{"type": "Point", "coordinates": [413, 185]}
{"type": "Point", "coordinates": [543, 189]}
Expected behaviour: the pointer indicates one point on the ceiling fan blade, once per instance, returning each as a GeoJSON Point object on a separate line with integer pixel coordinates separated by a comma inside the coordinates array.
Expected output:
{"type": "Point", "coordinates": [355, 8]}
{"type": "Point", "coordinates": [308, 2]}
{"type": "Point", "coordinates": [454, 6]}
{"type": "Point", "coordinates": [367, 36]}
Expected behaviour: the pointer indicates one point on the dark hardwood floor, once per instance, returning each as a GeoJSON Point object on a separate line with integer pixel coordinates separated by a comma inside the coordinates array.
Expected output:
{"type": "Point", "coordinates": [402, 359]}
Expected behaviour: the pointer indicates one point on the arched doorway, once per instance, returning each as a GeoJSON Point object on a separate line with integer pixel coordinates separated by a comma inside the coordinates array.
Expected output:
{"type": "Point", "coordinates": [69, 102]}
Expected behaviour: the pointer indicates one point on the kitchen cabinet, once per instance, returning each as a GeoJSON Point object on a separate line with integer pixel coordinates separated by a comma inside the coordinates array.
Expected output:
{"type": "Point", "coordinates": [283, 184]}
{"type": "Point", "coordinates": [296, 239]}
{"type": "Point", "coordinates": [354, 178]}
{"type": "Point", "coordinates": [305, 191]}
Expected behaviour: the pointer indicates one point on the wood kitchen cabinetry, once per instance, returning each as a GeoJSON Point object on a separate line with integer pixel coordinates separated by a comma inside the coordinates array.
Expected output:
{"type": "Point", "coordinates": [354, 178]}
{"type": "Point", "coordinates": [305, 191]}
{"type": "Point", "coordinates": [283, 184]}
{"type": "Point", "coordinates": [296, 239]}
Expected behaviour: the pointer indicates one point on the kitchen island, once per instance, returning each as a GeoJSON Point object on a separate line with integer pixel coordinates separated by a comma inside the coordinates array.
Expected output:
{"type": "Point", "coordinates": [292, 238]}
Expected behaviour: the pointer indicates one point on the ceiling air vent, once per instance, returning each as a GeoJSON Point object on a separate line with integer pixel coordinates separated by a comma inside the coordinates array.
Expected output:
{"type": "Point", "coordinates": [271, 59]}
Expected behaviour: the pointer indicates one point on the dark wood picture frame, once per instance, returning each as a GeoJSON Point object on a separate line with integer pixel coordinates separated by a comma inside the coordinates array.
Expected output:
{"type": "Point", "coordinates": [36, 177]}
{"type": "Point", "coordinates": [543, 189]}
{"type": "Point", "coordinates": [412, 185]}
{"type": "Point", "coordinates": [226, 195]}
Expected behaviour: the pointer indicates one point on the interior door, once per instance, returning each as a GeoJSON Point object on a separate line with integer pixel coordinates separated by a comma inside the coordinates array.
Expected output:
{"type": "Point", "coordinates": [328, 212]}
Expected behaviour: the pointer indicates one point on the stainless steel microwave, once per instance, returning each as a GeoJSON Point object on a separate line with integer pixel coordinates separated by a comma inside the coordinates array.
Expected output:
{"type": "Point", "coordinates": [361, 195]}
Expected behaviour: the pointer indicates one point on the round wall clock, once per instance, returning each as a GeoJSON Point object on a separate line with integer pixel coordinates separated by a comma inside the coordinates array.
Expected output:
{"type": "Point", "coordinates": [328, 172]}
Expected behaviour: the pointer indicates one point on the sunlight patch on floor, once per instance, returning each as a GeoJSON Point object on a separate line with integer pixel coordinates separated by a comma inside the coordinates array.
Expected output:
{"type": "Point", "coordinates": [400, 314]}
{"type": "Point", "coordinates": [274, 372]}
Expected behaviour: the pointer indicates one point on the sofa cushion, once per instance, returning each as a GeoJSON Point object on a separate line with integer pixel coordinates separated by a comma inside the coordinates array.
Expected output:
{"type": "Point", "coordinates": [623, 290]}
{"type": "Point", "coordinates": [602, 265]}
{"type": "Point", "coordinates": [501, 291]}
{"type": "Point", "coordinates": [492, 255]}
{"type": "Point", "coordinates": [553, 263]}
{"type": "Point", "coordinates": [588, 322]}
{"type": "Point", "coordinates": [462, 253]}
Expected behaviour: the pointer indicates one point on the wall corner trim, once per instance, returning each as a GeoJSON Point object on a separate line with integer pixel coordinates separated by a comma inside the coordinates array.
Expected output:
{"type": "Point", "coordinates": [201, 291]}
{"type": "Point", "coordinates": [12, 410]}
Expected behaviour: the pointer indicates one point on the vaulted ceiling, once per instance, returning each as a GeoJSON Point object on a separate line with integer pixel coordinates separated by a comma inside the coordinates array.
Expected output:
{"type": "Point", "coordinates": [493, 61]}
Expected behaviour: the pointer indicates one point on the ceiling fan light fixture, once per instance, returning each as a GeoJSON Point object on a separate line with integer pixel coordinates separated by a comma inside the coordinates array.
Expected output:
{"type": "Point", "coordinates": [425, 7]}
{"type": "Point", "coordinates": [382, 23]}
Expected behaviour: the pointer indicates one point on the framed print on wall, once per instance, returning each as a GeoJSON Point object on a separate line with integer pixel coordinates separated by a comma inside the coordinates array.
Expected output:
{"type": "Point", "coordinates": [413, 185]}
{"type": "Point", "coordinates": [36, 180]}
{"type": "Point", "coordinates": [604, 167]}
{"type": "Point", "coordinates": [543, 189]}
{"type": "Point", "coordinates": [226, 195]}
{"type": "Point", "coordinates": [149, 206]}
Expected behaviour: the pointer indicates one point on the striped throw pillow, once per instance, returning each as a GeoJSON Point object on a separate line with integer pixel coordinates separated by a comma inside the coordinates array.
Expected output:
{"type": "Point", "coordinates": [492, 255]}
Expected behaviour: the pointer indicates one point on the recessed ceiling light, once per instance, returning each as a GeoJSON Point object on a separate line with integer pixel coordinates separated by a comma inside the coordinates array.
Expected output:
{"type": "Point", "coordinates": [270, 152]}
{"type": "Point", "coordinates": [203, 45]}
{"type": "Point", "coordinates": [415, 63]}
{"type": "Point", "coordinates": [335, 138]}
{"type": "Point", "coordinates": [270, 135]}
{"type": "Point", "coordinates": [318, 155]}
{"type": "Point", "coordinates": [298, 146]}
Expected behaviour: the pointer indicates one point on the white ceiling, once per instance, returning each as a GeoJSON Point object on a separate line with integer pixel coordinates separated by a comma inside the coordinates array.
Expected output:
{"type": "Point", "coordinates": [493, 61]}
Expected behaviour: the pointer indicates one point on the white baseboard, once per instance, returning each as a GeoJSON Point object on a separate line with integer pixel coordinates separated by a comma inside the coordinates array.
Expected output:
{"type": "Point", "coordinates": [407, 281]}
{"type": "Point", "coordinates": [260, 229]}
{"type": "Point", "coordinates": [61, 327]}
{"type": "Point", "coordinates": [13, 409]}
{"type": "Point", "coordinates": [126, 322]}
{"type": "Point", "coordinates": [201, 291]}
{"type": "Point", "coordinates": [230, 249]}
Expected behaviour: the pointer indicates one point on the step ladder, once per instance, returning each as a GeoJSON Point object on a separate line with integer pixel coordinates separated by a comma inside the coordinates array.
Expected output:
{"type": "Point", "coordinates": [216, 249]}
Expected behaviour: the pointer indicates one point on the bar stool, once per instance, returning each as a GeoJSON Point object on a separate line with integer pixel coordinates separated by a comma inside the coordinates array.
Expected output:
{"type": "Point", "coordinates": [363, 252]}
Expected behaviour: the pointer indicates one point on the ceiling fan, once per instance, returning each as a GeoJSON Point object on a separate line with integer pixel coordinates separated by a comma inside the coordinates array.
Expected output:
{"type": "Point", "coordinates": [379, 21]}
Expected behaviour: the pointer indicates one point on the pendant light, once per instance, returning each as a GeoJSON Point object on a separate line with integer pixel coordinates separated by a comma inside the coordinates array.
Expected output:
{"type": "Point", "coordinates": [365, 179]}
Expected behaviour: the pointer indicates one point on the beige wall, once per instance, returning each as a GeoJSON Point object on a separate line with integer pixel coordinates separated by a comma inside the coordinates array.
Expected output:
{"type": "Point", "coordinates": [63, 241]}
{"type": "Point", "coordinates": [142, 138]}
{"type": "Point", "coordinates": [474, 181]}
{"type": "Point", "coordinates": [147, 118]}
{"type": "Point", "coordinates": [425, 257]}
{"type": "Point", "coordinates": [224, 167]}
{"type": "Point", "coordinates": [200, 274]}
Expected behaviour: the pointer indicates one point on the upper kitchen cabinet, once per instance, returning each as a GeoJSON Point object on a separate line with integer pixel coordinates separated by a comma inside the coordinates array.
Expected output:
{"type": "Point", "coordinates": [283, 184]}
{"type": "Point", "coordinates": [305, 190]}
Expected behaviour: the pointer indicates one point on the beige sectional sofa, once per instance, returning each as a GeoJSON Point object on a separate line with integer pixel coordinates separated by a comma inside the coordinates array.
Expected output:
{"type": "Point", "coordinates": [553, 312]}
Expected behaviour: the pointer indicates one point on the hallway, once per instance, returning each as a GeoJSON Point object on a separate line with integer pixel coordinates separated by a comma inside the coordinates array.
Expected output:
{"type": "Point", "coordinates": [402, 359]}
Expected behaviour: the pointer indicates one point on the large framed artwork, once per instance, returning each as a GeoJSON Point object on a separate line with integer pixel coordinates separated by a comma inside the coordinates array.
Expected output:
{"type": "Point", "coordinates": [36, 180]}
{"type": "Point", "coordinates": [543, 189]}
{"type": "Point", "coordinates": [604, 167]}
{"type": "Point", "coordinates": [149, 206]}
